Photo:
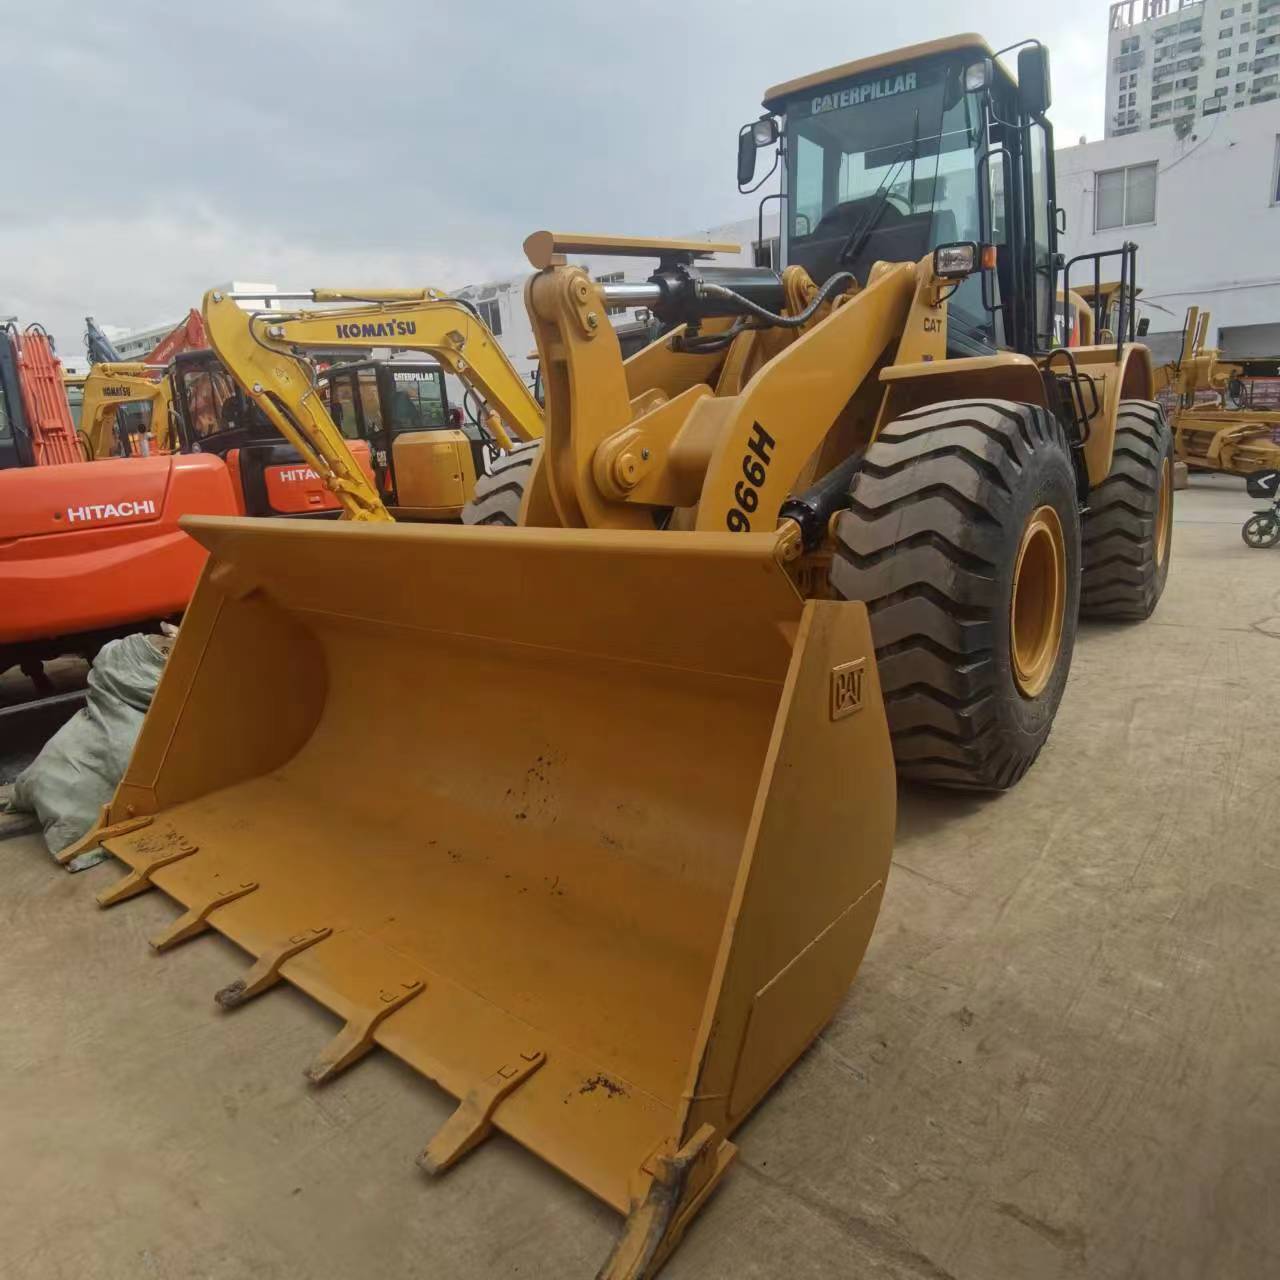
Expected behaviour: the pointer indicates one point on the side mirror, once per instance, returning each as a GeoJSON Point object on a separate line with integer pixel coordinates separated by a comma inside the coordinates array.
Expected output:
{"type": "Point", "coordinates": [751, 137]}
{"type": "Point", "coordinates": [1034, 93]}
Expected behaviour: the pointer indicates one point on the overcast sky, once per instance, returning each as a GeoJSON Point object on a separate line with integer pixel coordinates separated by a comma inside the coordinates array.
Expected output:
{"type": "Point", "coordinates": [153, 148]}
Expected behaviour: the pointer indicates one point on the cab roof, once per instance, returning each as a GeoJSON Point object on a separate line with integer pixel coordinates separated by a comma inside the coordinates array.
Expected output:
{"type": "Point", "coordinates": [775, 97]}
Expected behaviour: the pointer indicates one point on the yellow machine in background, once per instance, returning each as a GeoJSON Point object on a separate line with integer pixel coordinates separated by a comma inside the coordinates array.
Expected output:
{"type": "Point", "coordinates": [1239, 440]}
{"type": "Point", "coordinates": [631, 767]}
{"type": "Point", "coordinates": [147, 423]}
{"type": "Point", "coordinates": [435, 470]}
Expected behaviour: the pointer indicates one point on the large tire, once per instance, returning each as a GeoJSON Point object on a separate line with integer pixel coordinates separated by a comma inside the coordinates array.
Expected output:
{"type": "Point", "coordinates": [948, 509]}
{"type": "Point", "coordinates": [498, 495]}
{"type": "Point", "coordinates": [1127, 532]}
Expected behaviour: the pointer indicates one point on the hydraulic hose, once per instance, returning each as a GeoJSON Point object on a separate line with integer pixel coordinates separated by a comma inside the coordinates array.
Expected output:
{"type": "Point", "coordinates": [837, 283]}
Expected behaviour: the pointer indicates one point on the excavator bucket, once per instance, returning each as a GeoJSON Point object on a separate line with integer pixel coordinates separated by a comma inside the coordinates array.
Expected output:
{"type": "Point", "coordinates": [590, 828]}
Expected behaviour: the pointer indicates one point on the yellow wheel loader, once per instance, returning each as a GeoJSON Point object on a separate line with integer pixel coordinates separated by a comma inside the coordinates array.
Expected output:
{"type": "Point", "coordinates": [635, 759]}
{"type": "Point", "coordinates": [428, 470]}
{"type": "Point", "coordinates": [1231, 435]}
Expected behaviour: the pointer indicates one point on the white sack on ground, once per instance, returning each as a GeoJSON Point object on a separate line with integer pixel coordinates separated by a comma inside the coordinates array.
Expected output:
{"type": "Point", "coordinates": [76, 773]}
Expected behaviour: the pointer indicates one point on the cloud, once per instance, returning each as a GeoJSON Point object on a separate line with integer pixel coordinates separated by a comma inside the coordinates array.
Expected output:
{"type": "Point", "coordinates": [161, 149]}
{"type": "Point", "coordinates": [148, 269]}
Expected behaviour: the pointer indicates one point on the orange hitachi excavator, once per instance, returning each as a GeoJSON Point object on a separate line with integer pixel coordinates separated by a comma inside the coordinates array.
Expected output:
{"type": "Point", "coordinates": [90, 550]}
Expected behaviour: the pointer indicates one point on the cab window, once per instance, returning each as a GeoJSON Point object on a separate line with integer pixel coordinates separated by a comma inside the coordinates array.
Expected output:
{"type": "Point", "coordinates": [417, 400]}
{"type": "Point", "coordinates": [342, 407]}
{"type": "Point", "coordinates": [370, 402]}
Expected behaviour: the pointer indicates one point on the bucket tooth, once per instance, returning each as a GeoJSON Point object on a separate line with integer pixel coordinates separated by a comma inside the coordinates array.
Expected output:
{"type": "Point", "coordinates": [472, 1122]}
{"type": "Point", "coordinates": [679, 1185]}
{"type": "Point", "coordinates": [356, 1038]}
{"type": "Point", "coordinates": [139, 879]}
{"type": "Point", "coordinates": [196, 919]}
{"type": "Point", "coordinates": [103, 829]}
{"type": "Point", "coordinates": [265, 973]}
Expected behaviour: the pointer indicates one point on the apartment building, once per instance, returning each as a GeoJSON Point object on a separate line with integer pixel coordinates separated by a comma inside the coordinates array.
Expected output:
{"type": "Point", "coordinates": [1174, 62]}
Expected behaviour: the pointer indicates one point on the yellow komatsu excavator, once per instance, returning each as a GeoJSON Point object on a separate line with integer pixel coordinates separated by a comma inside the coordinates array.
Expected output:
{"type": "Point", "coordinates": [1230, 435]}
{"type": "Point", "coordinates": [127, 410]}
{"type": "Point", "coordinates": [632, 764]}
{"type": "Point", "coordinates": [434, 471]}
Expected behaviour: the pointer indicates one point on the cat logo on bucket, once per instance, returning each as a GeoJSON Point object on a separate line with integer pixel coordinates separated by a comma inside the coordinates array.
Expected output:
{"type": "Point", "coordinates": [846, 688]}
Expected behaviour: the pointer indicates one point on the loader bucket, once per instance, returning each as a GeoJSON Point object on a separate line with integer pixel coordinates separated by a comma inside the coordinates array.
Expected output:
{"type": "Point", "coordinates": [590, 828]}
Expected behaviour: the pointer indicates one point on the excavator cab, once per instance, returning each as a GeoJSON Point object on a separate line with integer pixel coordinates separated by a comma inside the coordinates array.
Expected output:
{"type": "Point", "coordinates": [215, 416]}
{"type": "Point", "coordinates": [15, 444]}
{"type": "Point", "coordinates": [425, 456]}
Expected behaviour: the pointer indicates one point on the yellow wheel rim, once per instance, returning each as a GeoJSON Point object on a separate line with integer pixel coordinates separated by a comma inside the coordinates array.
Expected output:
{"type": "Point", "coordinates": [1039, 601]}
{"type": "Point", "coordinates": [1164, 512]}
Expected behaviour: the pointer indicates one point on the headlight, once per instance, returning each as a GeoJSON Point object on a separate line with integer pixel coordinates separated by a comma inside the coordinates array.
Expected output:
{"type": "Point", "coordinates": [955, 261]}
{"type": "Point", "coordinates": [764, 132]}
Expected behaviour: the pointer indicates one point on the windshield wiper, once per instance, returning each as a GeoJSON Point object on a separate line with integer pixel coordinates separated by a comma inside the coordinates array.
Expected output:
{"type": "Point", "coordinates": [858, 237]}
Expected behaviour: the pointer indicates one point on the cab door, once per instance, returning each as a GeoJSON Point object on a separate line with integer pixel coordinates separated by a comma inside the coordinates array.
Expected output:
{"type": "Point", "coordinates": [432, 461]}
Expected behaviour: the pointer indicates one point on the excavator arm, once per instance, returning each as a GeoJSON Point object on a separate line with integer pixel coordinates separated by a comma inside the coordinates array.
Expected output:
{"type": "Point", "coordinates": [109, 386]}
{"type": "Point", "coordinates": [264, 353]}
{"type": "Point", "coordinates": [283, 387]}
{"type": "Point", "coordinates": [187, 335]}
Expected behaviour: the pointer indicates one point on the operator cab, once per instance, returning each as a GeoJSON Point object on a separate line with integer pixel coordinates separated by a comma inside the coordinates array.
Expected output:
{"type": "Point", "coordinates": [214, 415]}
{"type": "Point", "coordinates": [888, 158]}
{"type": "Point", "coordinates": [15, 443]}
{"type": "Point", "coordinates": [426, 457]}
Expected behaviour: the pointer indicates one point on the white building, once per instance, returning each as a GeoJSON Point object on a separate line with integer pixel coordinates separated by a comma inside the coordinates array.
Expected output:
{"type": "Point", "coordinates": [1204, 210]}
{"type": "Point", "coordinates": [135, 344]}
{"type": "Point", "coordinates": [1174, 62]}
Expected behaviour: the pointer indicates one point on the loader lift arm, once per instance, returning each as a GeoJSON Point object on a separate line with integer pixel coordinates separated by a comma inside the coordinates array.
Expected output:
{"type": "Point", "coordinates": [264, 353]}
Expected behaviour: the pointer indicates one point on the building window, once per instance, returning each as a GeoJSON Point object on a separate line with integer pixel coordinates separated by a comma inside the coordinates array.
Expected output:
{"type": "Point", "coordinates": [1224, 53]}
{"type": "Point", "coordinates": [1222, 73]}
{"type": "Point", "coordinates": [1226, 33]}
{"type": "Point", "coordinates": [1240, 87]}
{"type": "Point", "coordinates": [614, 277]}
{"type": "Point", "coordinates": [1246, 26]}
{"type": "Point", "coordinates": [1129, 45]}
{"type": "Point", "coordinates": [1244, 48]}
{"type": "Point", "coordinates": [491, 314]}
{"type": "Point", "coordinates": [1227, 13]}
{"type": "Point", "coordinates": [1125, 197]}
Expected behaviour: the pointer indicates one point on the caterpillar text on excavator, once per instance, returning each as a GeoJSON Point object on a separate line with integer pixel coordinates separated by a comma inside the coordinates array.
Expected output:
{"type": "Point", "coordinates": [635, 758]}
